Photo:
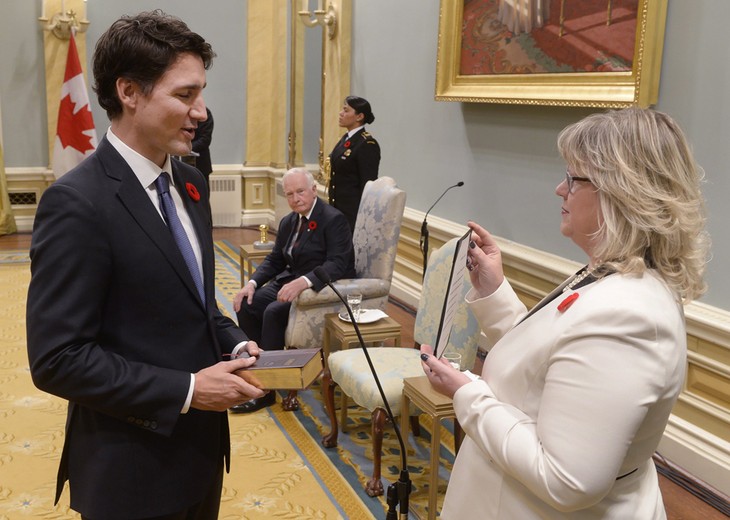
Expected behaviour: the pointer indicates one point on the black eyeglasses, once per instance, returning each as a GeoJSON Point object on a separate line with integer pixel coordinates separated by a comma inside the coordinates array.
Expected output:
{"type": "Point", "coordinates": [570, 180]}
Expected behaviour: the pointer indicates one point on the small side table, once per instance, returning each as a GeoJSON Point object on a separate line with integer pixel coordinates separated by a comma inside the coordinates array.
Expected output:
{"type": "Point", "coordinates": [421, 393]}
{"type": "Point", "coordinates": [249, 254]}
{"type": "Point", "coordinates": [344, 333]}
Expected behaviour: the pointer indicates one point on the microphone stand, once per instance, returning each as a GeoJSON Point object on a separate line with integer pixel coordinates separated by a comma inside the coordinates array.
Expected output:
{"type": "Point", "coordinates": [399, 491]}
{"type": "Point", "coordinates": [424, 228]}
{"type": "Point", "coordinates": [424, 243]}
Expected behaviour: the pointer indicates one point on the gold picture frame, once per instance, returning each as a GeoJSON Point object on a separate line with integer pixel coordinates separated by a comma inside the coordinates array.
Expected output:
{"type": "Point", "coordinates": [604, 89]}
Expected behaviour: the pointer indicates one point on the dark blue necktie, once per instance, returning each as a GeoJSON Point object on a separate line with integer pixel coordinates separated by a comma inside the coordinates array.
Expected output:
{"type": "Point", "coordinates": [167, 205]}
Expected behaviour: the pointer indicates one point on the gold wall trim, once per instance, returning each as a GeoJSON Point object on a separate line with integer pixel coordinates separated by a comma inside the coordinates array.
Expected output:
{"type": "Point", "coordinates": [266, 86]}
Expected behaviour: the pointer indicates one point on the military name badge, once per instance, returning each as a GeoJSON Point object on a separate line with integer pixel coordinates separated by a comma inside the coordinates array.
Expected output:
{"type": "Point", "coordinates": [348, 152]}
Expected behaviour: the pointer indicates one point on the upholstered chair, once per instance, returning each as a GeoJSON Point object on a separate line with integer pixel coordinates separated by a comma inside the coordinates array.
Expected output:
{"type": "Point", "coordinates": [350, 371]}
{"type": "Point", "coordinates": [375, 241]}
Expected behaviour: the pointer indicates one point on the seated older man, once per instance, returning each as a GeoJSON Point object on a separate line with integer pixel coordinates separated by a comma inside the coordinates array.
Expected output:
{"type": "Point", "coordinates": [314, 234]}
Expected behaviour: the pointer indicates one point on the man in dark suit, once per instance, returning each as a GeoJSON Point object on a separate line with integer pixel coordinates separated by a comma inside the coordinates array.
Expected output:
{"type": "Point", "coordinates": [201, 145]}
{"type": "Point", "coordinates": [121, 317]}
{"type": "Point", "coordinates": [314, 234]}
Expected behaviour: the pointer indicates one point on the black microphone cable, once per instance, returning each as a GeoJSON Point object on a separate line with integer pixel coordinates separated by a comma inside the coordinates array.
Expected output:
{"type": "Point", "coordinates": [424, 227]}
{"type": "Point", "coordinates": [404, 479]}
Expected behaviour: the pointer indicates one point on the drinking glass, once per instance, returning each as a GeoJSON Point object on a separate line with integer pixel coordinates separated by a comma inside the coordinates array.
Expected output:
{"type": "Point", "coordinates": [354, 300]}
{"type": "Point", "coordinates": [454, 358]}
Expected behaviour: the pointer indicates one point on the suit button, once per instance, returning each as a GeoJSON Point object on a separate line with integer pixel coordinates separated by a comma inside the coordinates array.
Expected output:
{"type": "Point", "coordinates": [130, 419]}
{"type": "Point", "coordinates": [146, 424]}
{"type": "Point", "coordinates": [153, 425]}
{"type": "Point", "coordinates": [138, 422]}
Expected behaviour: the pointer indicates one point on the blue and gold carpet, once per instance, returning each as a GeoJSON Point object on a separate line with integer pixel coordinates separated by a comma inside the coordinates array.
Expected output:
{"type": "Point", "coordinates": [353, 456]}
{"type": "Point", "coordinates": [279, 468]}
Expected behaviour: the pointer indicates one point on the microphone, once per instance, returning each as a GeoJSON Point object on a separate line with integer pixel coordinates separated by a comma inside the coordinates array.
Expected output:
{"type": "Point", "coordinates": [398, 491]}
{"type": "Point", "coordinates": [424, 226]}
{"type": "Point", "coordinates": [457, 185]}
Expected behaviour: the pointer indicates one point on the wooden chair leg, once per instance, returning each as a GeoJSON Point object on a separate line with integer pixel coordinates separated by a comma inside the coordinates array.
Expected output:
{"type": "Point", "coordinates": [328, 396]}
{"type": "Point", "coordinates": [290, 403]}
{"type": "Point", "coordinates": [374, 487]}
{"type": "Point", "coordinates": [415, 425]}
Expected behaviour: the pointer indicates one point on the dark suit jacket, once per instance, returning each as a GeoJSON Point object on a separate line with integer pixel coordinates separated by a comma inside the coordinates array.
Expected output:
{"type": "Point", "coordinates": [116, 327]}
{"type": "Point", "coordinates": [201, 144]}
{"type": "Point", "coordinates": [327, 242]}
{"type": "Point", "coordinates": [352, 167]}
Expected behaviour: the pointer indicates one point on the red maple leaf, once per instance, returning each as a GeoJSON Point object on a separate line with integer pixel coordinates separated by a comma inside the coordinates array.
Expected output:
{"type": "Point", "coordinates": [71, 126]}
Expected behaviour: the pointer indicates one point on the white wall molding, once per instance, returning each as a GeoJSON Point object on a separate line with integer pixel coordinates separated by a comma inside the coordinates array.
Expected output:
{"type": "Point", "coordinates": [699, 453]}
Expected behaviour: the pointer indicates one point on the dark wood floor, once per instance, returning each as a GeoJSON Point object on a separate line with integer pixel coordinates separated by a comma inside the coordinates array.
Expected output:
{"type": "Point", "coordinates": [680, 504]}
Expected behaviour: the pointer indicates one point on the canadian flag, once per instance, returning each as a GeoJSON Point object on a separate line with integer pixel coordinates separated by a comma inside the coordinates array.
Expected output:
{"type": "Point", "coordinates": [75, 134]}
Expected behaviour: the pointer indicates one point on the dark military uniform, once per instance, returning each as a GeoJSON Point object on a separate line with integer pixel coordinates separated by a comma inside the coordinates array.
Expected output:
{"type": "Point", "coordinates": [354, 162]}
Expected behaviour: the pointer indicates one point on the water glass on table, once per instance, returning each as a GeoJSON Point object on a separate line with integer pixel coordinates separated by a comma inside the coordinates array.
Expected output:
{"type": "Point", "coordinates": [354, 300]}
{"type": "Point", "coordinates": [454, 358]}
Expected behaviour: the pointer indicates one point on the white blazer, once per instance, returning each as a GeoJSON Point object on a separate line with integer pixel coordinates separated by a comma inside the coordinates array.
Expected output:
{"type": "Point", "coordinates": [570, 400]}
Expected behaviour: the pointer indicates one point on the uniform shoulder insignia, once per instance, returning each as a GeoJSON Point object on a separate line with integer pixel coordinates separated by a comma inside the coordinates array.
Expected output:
{"type": "Point", "coordinates": [368, 138]}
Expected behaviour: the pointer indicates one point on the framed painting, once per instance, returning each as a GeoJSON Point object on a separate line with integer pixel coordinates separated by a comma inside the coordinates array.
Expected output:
{"type": "Point", "coordinates": [589, 53]}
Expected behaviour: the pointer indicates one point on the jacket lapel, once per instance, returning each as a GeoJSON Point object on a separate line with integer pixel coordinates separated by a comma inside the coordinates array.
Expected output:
{"type": "Point", "coordinates": [307, 233]}
{"type": "Point", "coordinates": [134, 197]}
{"type": "Point", "coordinates": [195, 210]}
{"type": "Point", "coordinates": [289, 225]}
{"type": "Point", "coordinates": [547, 299]}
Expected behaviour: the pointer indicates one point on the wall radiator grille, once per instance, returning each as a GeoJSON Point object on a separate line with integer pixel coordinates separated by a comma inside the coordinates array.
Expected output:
{"type": "Point", "coordinates": [226, 200]}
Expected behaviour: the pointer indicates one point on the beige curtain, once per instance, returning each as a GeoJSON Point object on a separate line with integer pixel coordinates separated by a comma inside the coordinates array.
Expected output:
{"type": "Point", "coordinates": [7, 221]}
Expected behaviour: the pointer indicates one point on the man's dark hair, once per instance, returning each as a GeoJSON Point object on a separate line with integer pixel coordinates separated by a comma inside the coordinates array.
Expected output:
{"type": "Point", "coordinates": [141, 48]}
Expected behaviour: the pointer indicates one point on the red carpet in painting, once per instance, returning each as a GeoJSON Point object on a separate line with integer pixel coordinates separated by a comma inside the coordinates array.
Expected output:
{"type": "Point", "coordinates": [588, 43]}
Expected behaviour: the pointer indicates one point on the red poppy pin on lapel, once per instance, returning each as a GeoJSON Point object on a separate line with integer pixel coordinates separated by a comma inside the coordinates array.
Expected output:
{"type": "Point", "coordinates": [566, 303]}
{"type": "Point", "coordinates": [347, 143]}
{"type": "Point", "coordinates": [312, 225]}
{"type": "Point", "coordinates": [192, 191]}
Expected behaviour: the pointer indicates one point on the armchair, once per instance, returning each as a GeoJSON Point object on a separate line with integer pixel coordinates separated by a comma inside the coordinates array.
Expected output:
{"type": "Point", "coordinates": [375, 241]}
{"type": "Point", "coordinates": [349, 369]}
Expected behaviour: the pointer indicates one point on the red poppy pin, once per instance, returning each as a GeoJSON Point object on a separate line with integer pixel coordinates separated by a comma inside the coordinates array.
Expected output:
{"type": "Point", "coordinates": [192, 191]}
{"type": "Point", "coordinates": [312, 225]}
{"type": "Point", "coordinates": [566, 303]}
{"type": "Point", "coordinates": [347, 143]}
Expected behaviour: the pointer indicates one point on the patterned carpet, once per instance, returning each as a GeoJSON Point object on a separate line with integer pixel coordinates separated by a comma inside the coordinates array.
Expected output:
{"type": "Point", "coordinates": [279, 468]}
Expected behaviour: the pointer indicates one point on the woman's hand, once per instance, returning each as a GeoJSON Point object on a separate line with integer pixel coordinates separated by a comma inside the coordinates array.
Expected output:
{"type": "Point", "coordinates": [484, 261]}
{"type": "Point", "coordinates": [443, 377]}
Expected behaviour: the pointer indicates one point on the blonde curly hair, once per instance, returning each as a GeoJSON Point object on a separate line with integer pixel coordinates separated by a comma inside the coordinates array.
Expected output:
{"type": "Point", "coordinates": [648, 183]}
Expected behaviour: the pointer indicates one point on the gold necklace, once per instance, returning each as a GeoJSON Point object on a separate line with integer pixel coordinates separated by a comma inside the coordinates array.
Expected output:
{"type": "Point", "coordinates": [585, 273]}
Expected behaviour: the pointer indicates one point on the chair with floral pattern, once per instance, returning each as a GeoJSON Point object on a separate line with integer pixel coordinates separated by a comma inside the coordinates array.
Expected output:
{"type": "Point", "coordinates": [375, 241]}
{"type": "Point", "coordinates": [349, 369]}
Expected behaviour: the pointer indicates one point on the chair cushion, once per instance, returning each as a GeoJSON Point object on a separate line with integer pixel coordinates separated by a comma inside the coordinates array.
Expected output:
{"type": "Point", "coordinates": [350, 370]}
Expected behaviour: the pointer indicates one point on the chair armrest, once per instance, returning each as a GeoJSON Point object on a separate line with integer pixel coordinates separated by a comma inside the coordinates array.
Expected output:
{"type": "Point", "coordinates": [369, 288]}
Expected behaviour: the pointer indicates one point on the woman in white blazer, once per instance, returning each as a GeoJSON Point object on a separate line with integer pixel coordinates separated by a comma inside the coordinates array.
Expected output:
{"type": "Point", "coordinates": [574, 396]}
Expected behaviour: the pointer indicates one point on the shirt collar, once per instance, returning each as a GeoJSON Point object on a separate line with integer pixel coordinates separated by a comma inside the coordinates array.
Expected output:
{"type": "Point", "coordinates": [352, 132]}
{"type": "Point", "coordinates": [311, 210]}
{"type": "Point", "coordinates": [144, 169]}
